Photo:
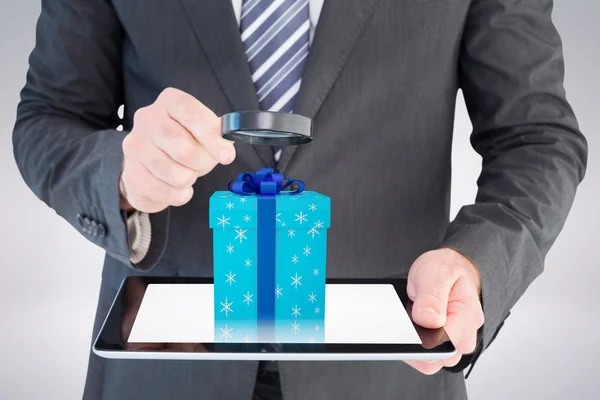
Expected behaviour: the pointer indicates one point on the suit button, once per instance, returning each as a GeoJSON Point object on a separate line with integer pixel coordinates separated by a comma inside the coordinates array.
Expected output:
{"type": "Point", "coordinates": [93, 228]}
{"type": "Point", "coordinates": [101, 230]}
{"type": "Point", "coordinates": [80, 220]}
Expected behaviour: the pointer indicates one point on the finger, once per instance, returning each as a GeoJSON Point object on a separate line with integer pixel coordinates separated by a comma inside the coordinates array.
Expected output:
{"type": "Point", "coordinates": [182, 147]}
{"type": "Point", "coordinates": [149, 194]}
{"type": "Point", "coordinates": [451, 361]}
{"type": "Point", "coordinates": [200, 121]}
{"type": "Point", "coordinates": [431, 337]}
{"type": "Point", "coordinates": [164, 168]}
{"type": "Point", "coordinates": [425, 367]}
{"type": "Point", "coordinates": [430, 288]}
{"type": "Point", "coordinates": [433, 366]}
{"type": "Point", "coordinates": [465, 316]}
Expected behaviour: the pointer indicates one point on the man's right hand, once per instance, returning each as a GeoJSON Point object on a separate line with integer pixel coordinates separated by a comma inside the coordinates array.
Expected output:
{"type": "Point", "coordinates": [173, 142]}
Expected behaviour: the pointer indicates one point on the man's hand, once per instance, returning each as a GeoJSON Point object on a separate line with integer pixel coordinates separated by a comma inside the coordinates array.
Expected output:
{"type": "Point", "coordinates": [173, 142]}
{"type": "Point", "coordinates": [444, 287]}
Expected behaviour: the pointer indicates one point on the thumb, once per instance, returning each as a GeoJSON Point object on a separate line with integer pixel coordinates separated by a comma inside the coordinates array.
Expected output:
{"type": "Point", "coordinates": [429, 292]}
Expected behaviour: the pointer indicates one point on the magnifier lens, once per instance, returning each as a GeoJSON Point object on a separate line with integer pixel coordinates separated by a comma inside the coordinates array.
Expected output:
{"type": "Point", "coordinates": [267, 128]}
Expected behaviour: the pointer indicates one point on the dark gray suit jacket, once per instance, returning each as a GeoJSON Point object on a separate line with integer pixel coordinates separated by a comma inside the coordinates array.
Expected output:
{"type": "Point", "coordinates": [381, 85]}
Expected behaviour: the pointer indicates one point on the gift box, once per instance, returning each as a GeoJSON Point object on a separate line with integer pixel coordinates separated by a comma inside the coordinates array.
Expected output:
{"type": "Point", "coordinates": [270, 249]}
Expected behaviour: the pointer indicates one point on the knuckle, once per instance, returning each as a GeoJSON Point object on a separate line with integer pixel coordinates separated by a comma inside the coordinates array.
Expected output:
{"type": "Point", "coordinates": [188, 178]}
{"type": "Point", "coordinates": [160, 192]}
{"type": "Point", "coordinates": [128, 144]}
{"type": "Point", "coordinates": [142, 115]}
{"type": "Point", "coordinates": [168, 94]}
{"type": "Point", "coordinates": [183, 179]}
{"type": "Point", "coordinates": [167, 131]}
{"type": "Point", "coordinates": [186, 154]}
{"type": "Point", "coordinates": [181, 197]}
{"type": "Point", "coordinates": [192, 115]}
{"type": "Point", "coordinates": [158, 164]}
{"type": "Point", "coordinates": [434, 301]}
{"type": "Point", "coordinates": [479, 319]}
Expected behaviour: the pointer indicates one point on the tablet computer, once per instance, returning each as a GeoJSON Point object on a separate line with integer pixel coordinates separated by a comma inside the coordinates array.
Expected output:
{"type": "Point", "coordinates": [173, 318]}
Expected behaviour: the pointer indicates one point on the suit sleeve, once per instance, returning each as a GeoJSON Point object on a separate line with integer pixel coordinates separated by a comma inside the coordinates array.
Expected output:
{"type": "Point", "coordinates": [65, 140]}
{"type": "Point", "coordinates": [533, 154]}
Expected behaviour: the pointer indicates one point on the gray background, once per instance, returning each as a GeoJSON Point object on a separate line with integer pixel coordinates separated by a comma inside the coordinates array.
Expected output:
{"type": "Point", "coordinates": [50, 275]}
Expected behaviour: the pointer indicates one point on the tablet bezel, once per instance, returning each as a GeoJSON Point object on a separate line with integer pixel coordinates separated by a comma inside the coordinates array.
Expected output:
{"type": "Point", "coordinates": [110, 344]}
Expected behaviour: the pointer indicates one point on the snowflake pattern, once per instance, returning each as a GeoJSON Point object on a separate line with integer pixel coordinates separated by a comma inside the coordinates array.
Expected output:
{"type": "Point", "coordinates": [317, 310]}
{"type": "Point", "coordinates": [296, 281]}
{"type": "Point", "coordinates": [230, 249]}
{"type": "Point", "coordinates": [295, 327]}
{"type": "Point", "coordinates": [306, 251]}
{"type": "Point", "coordinates": [313, 231]}
{"type": "Point", "coordinates": [243, 199]}
{"type": "Point", "coordinates": [248, 298]}
{"type": "Point", "coordinates": [312, 297]}
{"type": "Point", "coordinates": [300, 218]}
{"type": "Point", "coordinates": [295, 259]}
{"type": "Point", "coordinates": [230, 278]}
{"type": "Point", "coordinates": [241, 234]}
{"type": "Point", "coordinates": [247, 218]}
{"type": "Point", "coordinates": [291, 233]}
{"type": "Point", "coordinates": [226, 333]}
{"type": "Point", "coordinates": [230, 206]}
{"type": "Point", "coordinates": [278, 291]}
{"type": "Point", "coordinates": [316, 271]}
{"type": "Point", "coordinates": [311, 339]}
{"type": "Point", "coordinates": [223, 221]}
{"type": "Point", "coordinates": [247, 339]}
{"type": "Point", "coordinates": [296, 311]}
{"type": "Point", "coordinates": [226, 307]}
{"type": "Point", "coordinates": [317, 327]}
{"type": "Point", "coordinates": [247, 263]}
{"type": "Point", "coordinates": [312, 207]}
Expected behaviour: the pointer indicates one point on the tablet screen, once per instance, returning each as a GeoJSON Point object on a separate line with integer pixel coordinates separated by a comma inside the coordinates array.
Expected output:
{"type": "Point", "coordinates": [175, 318]}
{"type": "Point", "coordinates": [354, 313]}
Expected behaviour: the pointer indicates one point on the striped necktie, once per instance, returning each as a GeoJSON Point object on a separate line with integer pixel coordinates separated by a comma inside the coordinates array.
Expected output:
{"type": "Point", "coordinates": [276, 37]}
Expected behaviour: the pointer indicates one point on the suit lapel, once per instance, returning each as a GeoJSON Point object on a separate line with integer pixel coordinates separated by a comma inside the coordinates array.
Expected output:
{"type": "Point", "coordinates": [340, 25]}
{"type": "Point", "coordinates": [219, 35]}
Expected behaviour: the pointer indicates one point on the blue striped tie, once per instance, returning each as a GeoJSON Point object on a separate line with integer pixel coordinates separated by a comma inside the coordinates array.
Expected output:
{"type": "Point", "coordinates": [276, 37]}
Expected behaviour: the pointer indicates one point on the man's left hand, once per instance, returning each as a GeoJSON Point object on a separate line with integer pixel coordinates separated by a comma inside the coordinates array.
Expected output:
{"type": "Point", "coordinates": [445, 287]}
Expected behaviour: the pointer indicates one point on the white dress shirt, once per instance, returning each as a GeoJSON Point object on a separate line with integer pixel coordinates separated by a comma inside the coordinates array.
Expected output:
{"type": "Point", "coordinates": [139, 228]}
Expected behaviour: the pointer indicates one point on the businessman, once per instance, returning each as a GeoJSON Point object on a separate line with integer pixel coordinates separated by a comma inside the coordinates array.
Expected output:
{"type": "Point", "coordinates": [380, 79]}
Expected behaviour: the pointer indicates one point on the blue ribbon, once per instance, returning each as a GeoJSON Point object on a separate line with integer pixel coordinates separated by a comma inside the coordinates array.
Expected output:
{"type": "Point", "coordinates": [266, 184]}
{"type": "Point", "coordinates": [266, 181]}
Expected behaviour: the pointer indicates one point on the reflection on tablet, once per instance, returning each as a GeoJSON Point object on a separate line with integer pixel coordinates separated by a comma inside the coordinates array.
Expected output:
{"type": "Point", "coordinates": [171, 314]}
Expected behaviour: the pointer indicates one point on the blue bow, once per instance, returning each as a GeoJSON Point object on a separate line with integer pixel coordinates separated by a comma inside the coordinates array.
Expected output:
{"type": "Point", "coordinates": [266, 181]}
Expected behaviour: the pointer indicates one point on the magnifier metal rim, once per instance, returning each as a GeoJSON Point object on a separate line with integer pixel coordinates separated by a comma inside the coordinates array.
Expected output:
{"type": "Point", "coordinates": [266, 127]}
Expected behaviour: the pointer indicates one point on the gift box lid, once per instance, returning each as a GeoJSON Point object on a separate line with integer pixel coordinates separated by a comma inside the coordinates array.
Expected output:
{"type": "Point", "coordinates": [306, 210]}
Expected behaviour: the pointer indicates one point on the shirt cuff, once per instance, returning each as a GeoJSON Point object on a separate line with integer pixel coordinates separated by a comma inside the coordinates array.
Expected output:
{"type": "Point", "coordinates": [139, 234]}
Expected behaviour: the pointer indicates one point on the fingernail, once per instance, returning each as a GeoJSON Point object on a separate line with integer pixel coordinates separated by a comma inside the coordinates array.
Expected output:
{"type": "Point", "coordinates": [224, 154]}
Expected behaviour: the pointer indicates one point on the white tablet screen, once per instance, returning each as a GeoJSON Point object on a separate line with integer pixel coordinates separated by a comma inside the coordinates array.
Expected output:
{"type": "Point", "coordinates": [183, 313]}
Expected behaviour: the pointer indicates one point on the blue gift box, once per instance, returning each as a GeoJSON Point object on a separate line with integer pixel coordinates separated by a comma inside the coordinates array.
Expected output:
{"type": "Point", "coordinates": [269, 266]}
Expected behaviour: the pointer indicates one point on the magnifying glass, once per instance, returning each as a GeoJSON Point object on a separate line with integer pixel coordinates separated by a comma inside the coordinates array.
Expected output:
{"type": "Point", "coordinates": [267, 128]}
